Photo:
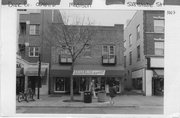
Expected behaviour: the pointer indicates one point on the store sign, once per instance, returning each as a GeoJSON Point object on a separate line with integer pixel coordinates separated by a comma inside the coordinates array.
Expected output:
{"type": "Point", "coordinates": [89, 72]}
{"type": "Point", "coordinates": [157, 62]}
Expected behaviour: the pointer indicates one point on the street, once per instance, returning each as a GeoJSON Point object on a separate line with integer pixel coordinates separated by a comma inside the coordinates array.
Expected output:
{"type": "Point", "coordinates": [92, 110]}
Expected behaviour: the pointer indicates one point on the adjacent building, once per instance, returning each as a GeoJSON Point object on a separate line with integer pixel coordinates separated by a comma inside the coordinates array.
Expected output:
{"type": "Point", "coordinates": [144, 53]}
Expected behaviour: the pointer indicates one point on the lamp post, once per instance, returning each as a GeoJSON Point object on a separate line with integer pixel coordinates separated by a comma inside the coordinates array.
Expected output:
{"type": "Point", "coordinates": [39, 76]}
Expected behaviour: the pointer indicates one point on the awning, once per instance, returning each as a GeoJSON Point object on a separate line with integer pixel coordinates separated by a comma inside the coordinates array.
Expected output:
{"type": "Point", "coordinates": [19, 72]}
{"type": "Point", "coordinates": [60, 73]}
{"type": "Point", "coordinates": [159, 73]}
{"type": "Point", "coordinates": [114, 73]}
{"type": "Point", "coordinates": [34, 72]}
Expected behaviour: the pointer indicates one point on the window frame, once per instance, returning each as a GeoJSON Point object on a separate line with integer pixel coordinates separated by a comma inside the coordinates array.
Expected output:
{"type": "Point", "coordinates": [138, 32]}
{"type": "Point", "coordinates": [20, 28]}
{"type": "Point", "coordinates": [155, 53]}
{"type": "Point", "coordinates": [157, 26]}
{"type": "Point", "coordinates": [35, 30]}
{"type": "Point", "coordinates": [130, 40]}
{"type": "Point", "coordinates": [87, 50]}
{"type": "Point", "coordinates": [138, 53]}
{"type": "Point", "coordinates": [34, 51]}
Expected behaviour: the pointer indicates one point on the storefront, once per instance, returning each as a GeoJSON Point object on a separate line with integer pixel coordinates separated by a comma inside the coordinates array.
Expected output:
{"type": "Point", "coordinates": [60, 80]}
{"type": "Point", "coordinates": [158, 82]}
{"type": "Point", "coordinates": [19, 80]}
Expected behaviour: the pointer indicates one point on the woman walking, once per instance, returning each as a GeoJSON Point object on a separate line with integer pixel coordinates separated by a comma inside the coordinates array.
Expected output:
{"type": "Point", "coordinates": [112, 92]}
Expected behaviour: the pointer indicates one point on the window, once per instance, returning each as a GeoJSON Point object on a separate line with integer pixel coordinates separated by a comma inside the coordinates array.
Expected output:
{"type": "Point", "coordinates": [108, 53]}
{"type": "Point", "coordinates": [22, 28]}
{"type": "Point", "coordinates": [138, 53]}
{"type": "Point", "coordinates": [130, 39]}
{"type": "Point", "coordinates": [87, 51]}
{"type": "Point", "coordinates": [130, 58]}
{"type": "Point", "coordinates": [125, 61]}
{"type": "Point", "coordinates": [60, 84]}
{"type": "Point", "coordinates": [34, 29]}
{"type": "Point", "coordinates": [65, 56]}
{"type": "Point", "coordinates": [33, 51]}
{"type": "Point", "coordinates": [159, 25]}
{"type": "Point", "coordinates": [159, 48]}
{"type": "Point", "coordinates": [138, 32]}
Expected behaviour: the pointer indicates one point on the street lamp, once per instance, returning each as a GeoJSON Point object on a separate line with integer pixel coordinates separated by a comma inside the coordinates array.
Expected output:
{"type": "Point", "coordinates": [39, 76]}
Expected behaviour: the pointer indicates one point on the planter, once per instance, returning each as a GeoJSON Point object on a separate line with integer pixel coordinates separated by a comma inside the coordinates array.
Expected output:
{"type": "Point", "coordinates": [49, 2]}
{"type": "Point", "coordinates": [145, 2]}
{"type": "Point", "coordinates": [101, 96]}
{"type": "Point", "coordinates": [14, 2]}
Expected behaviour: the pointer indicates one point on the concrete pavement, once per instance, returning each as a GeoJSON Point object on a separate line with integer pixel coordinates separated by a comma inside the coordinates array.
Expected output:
{"type": "Point", "coordinates": [120, 101]}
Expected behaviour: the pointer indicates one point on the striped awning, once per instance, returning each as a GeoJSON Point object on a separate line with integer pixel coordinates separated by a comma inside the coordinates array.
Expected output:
{"type": "Point", "coordinates": [34, 72]}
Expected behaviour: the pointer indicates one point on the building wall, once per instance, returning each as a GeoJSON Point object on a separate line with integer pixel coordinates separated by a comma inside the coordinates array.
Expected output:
{"type": "Point", "coordinates": [138, 69]}
{"type": "Point", "coordinates": [149, 33]}
{"type": "Point", "coordinates": [104, 36]}
{"type": "Point", "coordinates": [136, 65]}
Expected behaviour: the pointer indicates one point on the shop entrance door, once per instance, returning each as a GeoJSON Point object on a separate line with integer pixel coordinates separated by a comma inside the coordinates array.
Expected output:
{"type": "Point", "coordinates": [32, 83]}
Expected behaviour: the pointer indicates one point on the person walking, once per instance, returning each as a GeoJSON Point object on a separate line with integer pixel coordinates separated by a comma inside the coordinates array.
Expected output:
{"type": "Point", "coordinates": [112, 92]}
{"type": "Point", "coordinates": [92, 88]}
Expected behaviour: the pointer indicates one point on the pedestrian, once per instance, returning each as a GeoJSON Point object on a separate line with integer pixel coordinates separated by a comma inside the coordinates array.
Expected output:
{"type": "Point", "coordinates": [112, 93]}
{"type": "Point", "coordinates": [92, 88]}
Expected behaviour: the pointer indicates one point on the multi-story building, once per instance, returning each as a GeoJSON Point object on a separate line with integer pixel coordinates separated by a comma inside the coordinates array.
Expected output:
{"type": "Point", "coordinates": [32, 48]}
{"type": "Point", "coordinates": [144, 53]}
{"type": "Point", "coordinates": [101, 61]}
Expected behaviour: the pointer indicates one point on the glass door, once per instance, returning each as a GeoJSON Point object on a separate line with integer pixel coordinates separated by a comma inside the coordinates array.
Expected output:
{"type": "Point", "coordinates": [60, 84]}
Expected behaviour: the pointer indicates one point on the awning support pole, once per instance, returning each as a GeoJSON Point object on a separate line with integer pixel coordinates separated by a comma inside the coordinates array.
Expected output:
{"type": "Point", "coordinates": [39, 76]}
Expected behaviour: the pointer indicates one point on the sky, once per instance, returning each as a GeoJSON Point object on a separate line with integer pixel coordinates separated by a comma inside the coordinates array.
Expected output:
{"type": "Point", "coordinates": [99, 17]}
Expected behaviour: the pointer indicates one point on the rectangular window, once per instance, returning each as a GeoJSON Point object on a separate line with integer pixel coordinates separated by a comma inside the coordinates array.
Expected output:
{"type": "Point", "coordinates": [130, 39]}
{"type": "Point", "coordinates": [87, 51]}
{"type": "Point", "coordinates": [125, 61]}
{"type": "Point", "coordinates": [108, 53]}
{"type": "Point", "coordinates": [60, 84]}
{"type": "Point", "coordinates": [138, 32]}
{"type": "Point", "coordinates": [34, 29]}
{"type": "Point", "coordinates": [33, 51]}
{"type": "Point", "coordinates": [130, 58]}
{"type": "Point", "coordinates": [138, 53]}
{"type": "Point", "coordinates": [159, 48]}
{"type": "Point", "coordinates": [159, 25]}
{"type": "Point", "coordinates": [22, 28]}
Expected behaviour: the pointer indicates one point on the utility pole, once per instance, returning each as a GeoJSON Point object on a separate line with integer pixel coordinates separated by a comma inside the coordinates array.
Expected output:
{"type": "Point", "coordinates": [39, 75]}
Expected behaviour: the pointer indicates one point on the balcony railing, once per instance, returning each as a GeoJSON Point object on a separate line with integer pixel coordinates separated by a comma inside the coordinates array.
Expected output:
{"type": "Point", "coordinates": [65, 59]}
{"type": "Point", "coordinates": [109, 59]}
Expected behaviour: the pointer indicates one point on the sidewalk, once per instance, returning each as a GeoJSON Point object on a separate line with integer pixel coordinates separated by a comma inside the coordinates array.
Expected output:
{"type": "Point", "coordinates": [120, 101]}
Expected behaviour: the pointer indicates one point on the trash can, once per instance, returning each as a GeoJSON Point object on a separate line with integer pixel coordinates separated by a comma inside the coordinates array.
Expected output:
{"type": "Point", "coordinates": [101, 96]}
{"type": "Point", "coordinates": [87, 97]}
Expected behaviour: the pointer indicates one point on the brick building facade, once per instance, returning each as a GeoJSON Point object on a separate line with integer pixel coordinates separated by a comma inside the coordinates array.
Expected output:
{"type": "Point", "coordinates": [144, 53]}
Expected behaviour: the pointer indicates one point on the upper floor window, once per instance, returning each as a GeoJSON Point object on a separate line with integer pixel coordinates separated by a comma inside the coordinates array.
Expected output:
{"type": "Point", "coordinates": [130, 58]}
{"type": "Point", "coordinates": [108, 50]}
{"type": "Point", "coordinates": [87, 51]}
{"type": "Point", "coordinates": [130, 39]}
{"type": "Point", "coordinates": [34, 51]}
{"type": "Point", "coordinates": [22, 26]}
{"type": "Point", "coordinates": [138, 32]}
{"type": "Point", "coordinates": [108, 54]}
{"type": "Point", "coordinates": [159, 48]}
{"type": "Point", "coordinates": [125, 61]}
{"type": "Point", "coordinates": [159, 25]}
{"type": "Point", "coordinates": [65, 50]}
{"type": "Point", "coordinates": [65, 56]}
{"type": "Point", "coordinates": [34, 29]}
{"type": "Point", "coordinates": [138, 53]}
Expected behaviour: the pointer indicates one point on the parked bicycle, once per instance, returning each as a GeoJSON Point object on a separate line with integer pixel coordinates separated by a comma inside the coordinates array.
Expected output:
{"type": "Point", "coordinates": [27, 96]}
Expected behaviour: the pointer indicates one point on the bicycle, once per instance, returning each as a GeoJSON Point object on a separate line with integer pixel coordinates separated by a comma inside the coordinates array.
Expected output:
{"type": "Point", "coordinates": [26, 96]}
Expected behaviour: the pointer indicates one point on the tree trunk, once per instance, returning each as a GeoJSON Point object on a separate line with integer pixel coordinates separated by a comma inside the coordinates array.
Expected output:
{"type": "Point", "coordinates": [71, 82]}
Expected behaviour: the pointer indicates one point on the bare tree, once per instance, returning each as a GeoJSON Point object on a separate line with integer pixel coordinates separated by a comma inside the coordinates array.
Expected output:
{"type": "Point", "coordinates": [71, 38]}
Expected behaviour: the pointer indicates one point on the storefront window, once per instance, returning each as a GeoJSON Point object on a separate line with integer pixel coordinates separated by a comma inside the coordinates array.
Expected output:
{"type": "Point", "coordinates": [60, 84]}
